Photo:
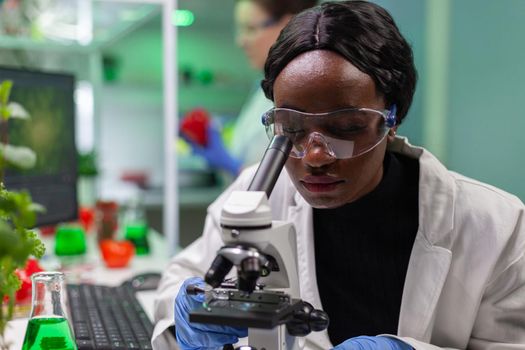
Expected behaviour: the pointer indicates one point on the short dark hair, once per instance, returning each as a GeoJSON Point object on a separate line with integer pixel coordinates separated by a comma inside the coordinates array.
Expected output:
{"type": "Point", "coordinates": [280, 8]}
{"type": "Point", "coordinates": [363, 33]}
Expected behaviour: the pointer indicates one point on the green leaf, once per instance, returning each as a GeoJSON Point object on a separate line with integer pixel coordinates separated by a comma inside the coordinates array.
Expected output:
{"type": "Point", "coordinates": [5, 91]}
{"type": "Point", "coordinates": [8, 239]}
{"type": "Point", "coordinates": [7, 203]}
{"type": "Point", "coordinates": [25, 216]}
{"type": "Point", "coordinates": [21, 252]}
{"type": "Point", "coordinates": [17, 111]}
{"type": "Point", "coordinates": [38, 247]}
{"type": "Point", "coordinates": [4, 112]}
{"type": "Point", "coordinates": [18, 208]}
{"type": "Point", "coordinates": [87, 164]}
{"type": "Point", "coordinates": [18, 156]}
{"type": "Point", "coordinates": [27, 245]}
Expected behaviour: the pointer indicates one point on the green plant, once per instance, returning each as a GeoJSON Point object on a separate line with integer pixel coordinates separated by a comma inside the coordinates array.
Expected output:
{"type": "Point", "coordinates": [87, 164]}
{"type": "Point", "coordinates": [17, 212]}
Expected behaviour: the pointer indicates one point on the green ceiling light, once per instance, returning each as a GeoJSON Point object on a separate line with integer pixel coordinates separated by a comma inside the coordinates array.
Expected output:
{"type": "Point", "coordinates": [183, 18]}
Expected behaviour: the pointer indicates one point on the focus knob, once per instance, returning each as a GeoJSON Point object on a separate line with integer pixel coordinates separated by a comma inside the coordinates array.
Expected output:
{"type": "Point", "coordinates": [307, 319]}
{"type": "Point", "coordinates": [299, 325]}
{"type": "Point", "coordinates": [319, 320]}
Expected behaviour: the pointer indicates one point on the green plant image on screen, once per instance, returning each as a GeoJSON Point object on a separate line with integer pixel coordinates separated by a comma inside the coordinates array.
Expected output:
{"type": "Point", "coordinates": [48, 132]}
{"type": "Point", "coordinates": [48, 98]}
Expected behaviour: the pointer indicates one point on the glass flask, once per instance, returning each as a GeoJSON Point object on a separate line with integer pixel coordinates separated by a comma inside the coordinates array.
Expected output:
{"type": "Point", "coordinates": [48, 328]}
{"type": "Point", "coordinates": [136, 226]}
{"type": "Point", "coordinates": [106, 219]}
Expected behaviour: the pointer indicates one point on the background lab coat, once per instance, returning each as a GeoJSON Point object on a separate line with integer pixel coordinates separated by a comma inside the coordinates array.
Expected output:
{"type": "Point", "coordinates": [465, 284]}
{"type": "Point", "coordinates": [249, 139]}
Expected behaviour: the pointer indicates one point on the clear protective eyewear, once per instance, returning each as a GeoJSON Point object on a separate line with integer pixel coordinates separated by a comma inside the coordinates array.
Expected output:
{"type": "Point", "coordinates": [345, 133]}
{"type": "Point", "coordinates": [248, 29]}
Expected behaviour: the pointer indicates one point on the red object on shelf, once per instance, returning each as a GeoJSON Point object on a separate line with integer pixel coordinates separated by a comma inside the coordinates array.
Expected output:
{"type": "Point", "coordinates": [116, 253]}
{"type": "Point", "coordinates": [137, 177]}
{"type": "Point", "coordinates": [48, 230]}
{"type": "Point", "coordinates": [195, 126]}
{"type": "Point", "coordinates": [86, 216]}
{"type": "Point", "coordinates": [32, 266]}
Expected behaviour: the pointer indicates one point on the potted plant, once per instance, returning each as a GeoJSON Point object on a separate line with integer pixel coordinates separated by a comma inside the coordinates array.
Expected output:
{"type": "Point", "coordinates": [17, 212]}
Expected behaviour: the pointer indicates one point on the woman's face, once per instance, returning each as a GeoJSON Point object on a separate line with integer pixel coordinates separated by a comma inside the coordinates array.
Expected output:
{"type": "Point", "coordinates": [256, 31]}
{"type": "Point", "coordinates": [323, 81]}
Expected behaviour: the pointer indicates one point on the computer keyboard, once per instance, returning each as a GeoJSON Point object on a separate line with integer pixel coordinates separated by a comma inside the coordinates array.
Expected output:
{"type": "Point", "coordinates": [108, 318]}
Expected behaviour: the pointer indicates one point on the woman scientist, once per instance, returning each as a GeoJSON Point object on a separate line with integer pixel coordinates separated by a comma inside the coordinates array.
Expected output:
{"type": "Point", "coordinates": [400, 252]}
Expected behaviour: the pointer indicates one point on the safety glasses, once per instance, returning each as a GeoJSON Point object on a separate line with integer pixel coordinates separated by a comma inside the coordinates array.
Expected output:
{"type": "Point", "coordinates": [346, 133]}
{"type": "Point", "coordinates": [249, 29]}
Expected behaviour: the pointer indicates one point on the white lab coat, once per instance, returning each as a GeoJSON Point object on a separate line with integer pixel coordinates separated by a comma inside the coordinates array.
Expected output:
{"type": "Point", "coordinates": [465, 283]}
{"type": "Point", "coordinates": [249, 139]}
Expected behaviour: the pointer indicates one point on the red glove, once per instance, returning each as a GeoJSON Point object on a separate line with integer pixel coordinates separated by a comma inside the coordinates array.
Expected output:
{"type": "Point", "coordinates": [195, 126]}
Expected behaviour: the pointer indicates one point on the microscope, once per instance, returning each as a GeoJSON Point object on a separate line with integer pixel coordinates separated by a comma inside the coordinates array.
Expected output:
{"type": "Point", "coordinates": [265, 297]}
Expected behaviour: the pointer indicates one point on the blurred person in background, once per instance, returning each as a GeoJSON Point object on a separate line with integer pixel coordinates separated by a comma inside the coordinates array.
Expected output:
{"type": "Point", "coordinates": [258, 24]}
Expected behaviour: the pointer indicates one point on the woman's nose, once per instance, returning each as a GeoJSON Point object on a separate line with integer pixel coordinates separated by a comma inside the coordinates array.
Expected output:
{"type": "Point", "coordinates": [317, 153]}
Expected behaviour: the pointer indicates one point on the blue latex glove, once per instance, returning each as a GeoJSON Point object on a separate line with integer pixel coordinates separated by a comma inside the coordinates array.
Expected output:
{"type": "Point", "coordinates": [215, 152]}
{"type": "Point", "coordinates": [192, 336]}
{"type": "Point", "coordinates": [373, 343]}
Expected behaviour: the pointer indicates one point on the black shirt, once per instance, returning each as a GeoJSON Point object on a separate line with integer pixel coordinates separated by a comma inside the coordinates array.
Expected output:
{"type": "Point", "coordinates": [362, 251]}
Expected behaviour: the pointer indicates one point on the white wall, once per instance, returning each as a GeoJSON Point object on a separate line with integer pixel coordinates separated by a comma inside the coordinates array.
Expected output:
{"type": "Point", "coordinates": [130, 132]}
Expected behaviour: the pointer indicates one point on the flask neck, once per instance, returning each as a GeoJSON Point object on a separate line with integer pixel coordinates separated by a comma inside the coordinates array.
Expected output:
{"type": "Point", "coordinates": [47, 296]}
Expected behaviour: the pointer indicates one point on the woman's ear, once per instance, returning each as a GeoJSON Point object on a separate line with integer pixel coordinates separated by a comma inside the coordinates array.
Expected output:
{"type": "Point", "coordinates": [392, 134]}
